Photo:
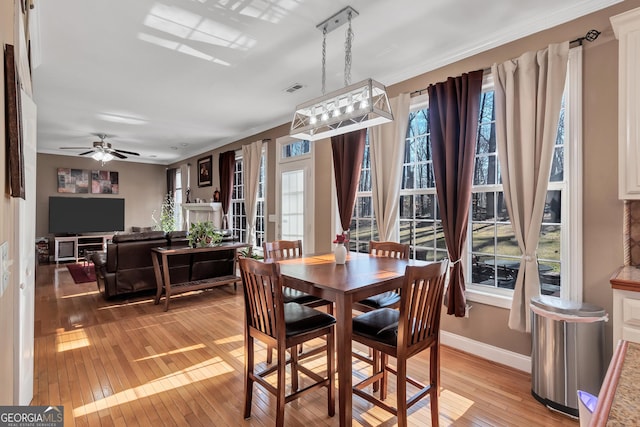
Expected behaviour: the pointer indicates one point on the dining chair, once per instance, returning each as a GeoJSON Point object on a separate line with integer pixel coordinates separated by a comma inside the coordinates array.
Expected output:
{"type": "Point", "coordinates": [287, 249]}
{"type": "Point", "coordinates": [402, 334]}
{"type": "Point", "coordinates": [283, 327]}
{"type": "Point", "coordinates": [389, 298]}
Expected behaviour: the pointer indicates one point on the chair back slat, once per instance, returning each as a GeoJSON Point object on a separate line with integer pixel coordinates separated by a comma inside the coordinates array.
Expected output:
{"type": "Point", "coordinates": [282, 249]}
{"type": "Point", "coordinates": [389, 249]}
{"type": "Point", "coordinates": [262, 296]}
{"type": "Point", "coordinates": [421, 303]}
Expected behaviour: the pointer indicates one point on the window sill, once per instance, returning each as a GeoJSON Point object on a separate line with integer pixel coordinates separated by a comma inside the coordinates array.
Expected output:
{"type": "Point", "coordinates": [489, 298]}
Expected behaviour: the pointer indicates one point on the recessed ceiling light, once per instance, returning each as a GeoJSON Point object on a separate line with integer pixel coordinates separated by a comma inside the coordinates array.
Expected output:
{"type": "Point", "coordinates": [174, 148]}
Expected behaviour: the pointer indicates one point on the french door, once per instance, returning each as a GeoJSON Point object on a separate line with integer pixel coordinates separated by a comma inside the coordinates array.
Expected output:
{"type": "Point", "coordinates": [295, 192]}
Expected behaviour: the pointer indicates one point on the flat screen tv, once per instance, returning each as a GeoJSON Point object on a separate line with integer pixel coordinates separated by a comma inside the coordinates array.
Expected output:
{"type": "Point", "coordinates": [75, 215]}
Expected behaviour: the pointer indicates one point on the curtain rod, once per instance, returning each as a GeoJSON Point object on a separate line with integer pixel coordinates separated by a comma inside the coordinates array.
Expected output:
{"type": "Point", "coordinates": [590, 37]}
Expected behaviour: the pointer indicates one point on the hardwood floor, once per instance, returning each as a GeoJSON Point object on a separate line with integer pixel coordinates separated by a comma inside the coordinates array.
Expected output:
{"type": "Point", "coordinates": [126, 363]}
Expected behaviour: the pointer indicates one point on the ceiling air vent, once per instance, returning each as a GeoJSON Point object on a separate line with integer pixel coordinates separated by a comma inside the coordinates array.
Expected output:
{"type": "Point", "coordinates": [294, 88]}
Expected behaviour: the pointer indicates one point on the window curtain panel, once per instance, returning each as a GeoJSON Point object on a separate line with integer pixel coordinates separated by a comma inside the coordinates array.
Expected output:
{"type": "Point", "coordinates": [171, 182]}
{"type": "Point", "coordinates": [386, 146]}
{"type": "Point", "coordinates": [454, 106]}
{"type": "Point", "coordinates": [251, 158]}
{"type": "Point", "coordinates": [528, 97]}
{"type": "Point", "coordinates": [226, 167]}
{"type": "Point", "coordinates": [348, 150]}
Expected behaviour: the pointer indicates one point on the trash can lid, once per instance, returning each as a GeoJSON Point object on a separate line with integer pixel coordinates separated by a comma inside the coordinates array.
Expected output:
{"type": "Point", "coordinates": [563, 306]}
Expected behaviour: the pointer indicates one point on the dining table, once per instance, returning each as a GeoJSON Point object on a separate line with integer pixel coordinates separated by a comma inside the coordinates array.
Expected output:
{"type": "Point", "coordinates": [361, 276]}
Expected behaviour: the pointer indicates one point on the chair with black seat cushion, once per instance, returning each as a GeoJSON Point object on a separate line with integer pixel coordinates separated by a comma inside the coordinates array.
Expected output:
{"type": "Point", "coordinates": [402, 334]}
{"type": "Point", "coordinates": [286, 249]}
{"type": "Point", "coordinates": [282, 326]}
{"type": "Point", "coordinates": [390, 298]}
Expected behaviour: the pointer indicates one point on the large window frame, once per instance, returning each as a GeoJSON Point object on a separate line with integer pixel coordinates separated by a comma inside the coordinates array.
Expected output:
{"type": "Point", "coordinates": [570, 258]}
{"type": "Point", "coordinates": [238, 212]}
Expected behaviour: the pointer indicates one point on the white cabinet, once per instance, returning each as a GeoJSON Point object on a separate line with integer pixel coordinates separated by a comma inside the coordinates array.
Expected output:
{"type": "Point", "coordinates": [626, 27]}
{"type": "Point", "coordinates": [626, 316]}
{"type": "Point", "coordinates": [74, 248]}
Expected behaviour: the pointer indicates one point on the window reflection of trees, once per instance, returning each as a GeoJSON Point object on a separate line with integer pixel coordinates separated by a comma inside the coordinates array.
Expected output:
{"type": "Point", "coordinates": [493, 242]}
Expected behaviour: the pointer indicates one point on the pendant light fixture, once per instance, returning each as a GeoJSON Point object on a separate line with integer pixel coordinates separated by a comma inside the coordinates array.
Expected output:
{"type": "Point", "coordinates": [355, 106]}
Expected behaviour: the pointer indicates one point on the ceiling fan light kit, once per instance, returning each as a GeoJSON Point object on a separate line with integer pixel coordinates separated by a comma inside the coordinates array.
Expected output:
{"type": "Point", "coordinates": [355, 106]}
{"type": "Point", "coordinates": [102, 151]}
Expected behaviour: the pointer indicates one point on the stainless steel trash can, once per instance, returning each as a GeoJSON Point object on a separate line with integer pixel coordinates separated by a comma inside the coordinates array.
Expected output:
{"type": "Point", "coordinates": [567, 351]}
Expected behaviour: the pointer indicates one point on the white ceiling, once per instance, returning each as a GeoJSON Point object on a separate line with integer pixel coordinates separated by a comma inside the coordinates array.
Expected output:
{"type": "Point", "coordinates": [172, 79]}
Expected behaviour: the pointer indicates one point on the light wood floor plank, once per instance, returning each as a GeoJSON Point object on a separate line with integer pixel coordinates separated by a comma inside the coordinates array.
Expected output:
{"type": "Point", "coordinates": [126, 362]}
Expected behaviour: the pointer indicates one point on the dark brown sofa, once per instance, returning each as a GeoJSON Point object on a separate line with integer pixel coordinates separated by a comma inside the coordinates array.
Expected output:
{"type": "Point", "coordinates": [127, 267]}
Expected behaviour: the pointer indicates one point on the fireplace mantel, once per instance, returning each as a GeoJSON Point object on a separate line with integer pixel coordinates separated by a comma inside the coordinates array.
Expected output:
{"type": "Point", "coordinates": [197, 212]}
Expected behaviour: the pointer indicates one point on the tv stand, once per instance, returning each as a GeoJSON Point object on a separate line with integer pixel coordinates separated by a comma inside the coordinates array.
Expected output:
{"type": "Point", "coordinates": [75, 248]}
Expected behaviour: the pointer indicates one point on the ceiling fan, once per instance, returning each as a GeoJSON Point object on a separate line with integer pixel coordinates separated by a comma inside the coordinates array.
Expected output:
{"type": "Point", "coordinates": [102, 150]}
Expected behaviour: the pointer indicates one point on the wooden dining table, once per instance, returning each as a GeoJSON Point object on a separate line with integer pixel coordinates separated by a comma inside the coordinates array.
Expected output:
{"type": "Point", "coordinates": [361, 276]}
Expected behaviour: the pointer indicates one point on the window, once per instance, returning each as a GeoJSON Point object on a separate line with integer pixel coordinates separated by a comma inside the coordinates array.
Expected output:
{"type": "Point", "coordinates": [295, 149]}
{"type": "Point", "coordinates": [239, 216]}
{"type": "Point", "coordinates": [177, 197]}
{"type": "Point", "coordinates": [363, 227]}
{"type": "Point", "coordinates": [493, 257]}
{"type": "Point", "coordinates": [420, 223]}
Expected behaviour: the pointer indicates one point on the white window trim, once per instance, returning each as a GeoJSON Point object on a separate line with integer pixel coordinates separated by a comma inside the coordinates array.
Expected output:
{"type": "Point", "coordinates": [571, 253]}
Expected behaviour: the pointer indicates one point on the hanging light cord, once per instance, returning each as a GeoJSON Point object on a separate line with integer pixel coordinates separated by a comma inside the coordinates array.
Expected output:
{"type": "Point", "coordinates": [324, 59]}
{"type": "Point", "coordinates": [347, 54]}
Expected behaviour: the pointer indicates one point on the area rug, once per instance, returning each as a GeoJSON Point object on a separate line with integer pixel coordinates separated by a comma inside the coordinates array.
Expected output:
{"type": "Point", "coordinates": [82, 273]}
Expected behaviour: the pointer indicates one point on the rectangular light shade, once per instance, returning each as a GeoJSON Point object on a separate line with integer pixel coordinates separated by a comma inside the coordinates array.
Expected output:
{"type": "Point", "coordinates": [357, 106]}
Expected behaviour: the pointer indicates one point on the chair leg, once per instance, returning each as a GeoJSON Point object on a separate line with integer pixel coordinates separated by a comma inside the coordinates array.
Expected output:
{"type": "Point", "coordinates": [331, 373]}
{"type": "Point", "coordinates": [269, 355]}
{"type": "Point", "coordinates": [384, 360]}
{"type": "Point", "coordinates": [294, 369]}
{"type": "Point", "coordinates": [248, 369]}
{"type": "Point", "coordinates": [280, 398]}
{"type": "Point", "coordinates": [375, 367]}
{"type": "Point", "coordinates": [434, 381]}
{"type": "Point", "coordinates": [401, 392]}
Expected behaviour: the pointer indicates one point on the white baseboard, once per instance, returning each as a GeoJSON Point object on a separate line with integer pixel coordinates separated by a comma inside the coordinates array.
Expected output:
{"type": "Point", "coordinates": [486, 351]}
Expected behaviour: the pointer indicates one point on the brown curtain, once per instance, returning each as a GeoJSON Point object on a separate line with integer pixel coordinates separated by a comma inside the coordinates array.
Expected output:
{"type": "Point", "coordinates": [453, 116]}
{"type": "Point", "coordinates": [348, 150]}
{"type": "Point", "coordinates": [227, 166]}
{"type": "Point", "coordinates": [171, 182]}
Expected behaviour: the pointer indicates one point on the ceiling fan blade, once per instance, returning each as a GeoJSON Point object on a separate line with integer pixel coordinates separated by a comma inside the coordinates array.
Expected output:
{"type": "Point", "coordinates": [127, 152]}
{"type": "Point", "coordinates": [86, 152]}
{"type": "Point", "coordinates": [118, 155]}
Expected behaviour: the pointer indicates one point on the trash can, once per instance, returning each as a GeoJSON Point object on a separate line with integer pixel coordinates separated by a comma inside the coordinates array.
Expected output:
{"type": "Point", "coordinates": [567, 352]}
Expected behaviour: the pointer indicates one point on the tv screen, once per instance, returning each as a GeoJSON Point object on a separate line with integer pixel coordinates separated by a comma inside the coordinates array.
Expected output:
{"type": "Point", "coordinates": [75, 215]}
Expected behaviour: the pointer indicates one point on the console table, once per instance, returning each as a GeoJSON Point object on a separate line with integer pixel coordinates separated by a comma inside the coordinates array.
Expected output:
{"type": "Point", "coordinates": [161, 257]}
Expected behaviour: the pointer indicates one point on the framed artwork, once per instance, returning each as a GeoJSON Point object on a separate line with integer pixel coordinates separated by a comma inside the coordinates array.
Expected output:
{"type": "Point", "coordinates": [12, 107]}
{"type": "Point", "coordinates": [104, 182]}
{"type": "Point", "coordinates": [73, 180]}
{"type": "Point", "coordinates": [204, 172]}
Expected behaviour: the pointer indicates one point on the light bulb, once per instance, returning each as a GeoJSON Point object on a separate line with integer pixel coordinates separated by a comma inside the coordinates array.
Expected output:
{"type": "Point", "coordinates": [98, 155]}
{"type": "Point", "coordinates": [107, 157]}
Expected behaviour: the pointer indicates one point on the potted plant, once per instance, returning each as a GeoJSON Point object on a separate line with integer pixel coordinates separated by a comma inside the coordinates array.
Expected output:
{"type": "Point", "coordinates": [202, 234]}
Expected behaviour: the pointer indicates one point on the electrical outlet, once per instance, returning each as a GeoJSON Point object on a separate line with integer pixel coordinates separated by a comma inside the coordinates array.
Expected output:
{"type": "Point", "coordinates": [4, 267]}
